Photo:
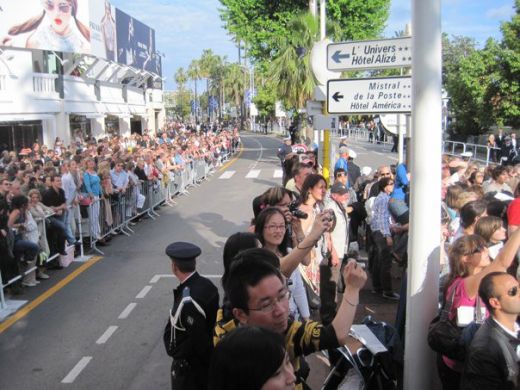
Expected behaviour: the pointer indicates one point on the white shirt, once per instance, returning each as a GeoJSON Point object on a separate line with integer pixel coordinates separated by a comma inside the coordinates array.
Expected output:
{"type": "Point", "coordinates": [69, 187]}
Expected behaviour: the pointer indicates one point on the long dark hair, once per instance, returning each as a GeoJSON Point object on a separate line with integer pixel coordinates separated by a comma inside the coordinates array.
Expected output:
{"type": "Point", "coordinates": [245, 359]}
{"type": "Point", "coordinates": [311, 180]}
{"type": "Point", "coordinates": [261, 221]}
{"type": "Point", "coordinates": [235, 244]}
{"type": "Point", "coordinates": [34, 22]}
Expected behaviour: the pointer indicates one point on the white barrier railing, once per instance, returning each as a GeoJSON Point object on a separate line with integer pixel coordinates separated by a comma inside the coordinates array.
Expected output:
{"type": "Point", "coordinates": [95, 224]}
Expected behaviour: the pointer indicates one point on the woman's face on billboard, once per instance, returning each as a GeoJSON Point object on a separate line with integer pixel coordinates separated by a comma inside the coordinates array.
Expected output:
{"type": "Point", "coordinates": [59, 13]}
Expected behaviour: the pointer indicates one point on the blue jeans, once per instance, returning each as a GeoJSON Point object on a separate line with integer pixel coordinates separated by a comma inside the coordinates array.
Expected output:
{"type": "Point", "coordinates": [398, 208]}
{"type": "Point", "coordinates": [27, 249]}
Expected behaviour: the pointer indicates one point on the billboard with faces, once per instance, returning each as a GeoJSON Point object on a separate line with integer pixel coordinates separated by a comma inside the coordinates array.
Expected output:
{"type": "Point", "coordinates": [79, 26]}
{"type": "Point", "coordinates": [59, 25]}
{"type": "Point", "coordinates": [103, 29]}
{"type": "Point", "coordinates": [136, 44]}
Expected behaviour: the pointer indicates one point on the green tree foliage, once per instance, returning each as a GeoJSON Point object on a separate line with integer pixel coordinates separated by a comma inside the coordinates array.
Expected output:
{"type": "Point", "coordinates": [265, 102]}
{"type": "Point", "coordinates": [291, 69]}
{"type": "Point", "coordinates": [483, 84]}
{"type": "Point", "coordinates": [260, 23]}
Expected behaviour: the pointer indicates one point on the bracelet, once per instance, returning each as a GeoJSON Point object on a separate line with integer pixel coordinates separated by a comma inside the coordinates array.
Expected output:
{"type": "Point", "coordinates": [350, 303]}
{"type": "Point", "coordinates": [304, 248]}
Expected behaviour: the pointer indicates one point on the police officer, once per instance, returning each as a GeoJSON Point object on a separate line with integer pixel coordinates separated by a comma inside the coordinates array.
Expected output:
{"type": "Point", "coordinates": [188, 333]}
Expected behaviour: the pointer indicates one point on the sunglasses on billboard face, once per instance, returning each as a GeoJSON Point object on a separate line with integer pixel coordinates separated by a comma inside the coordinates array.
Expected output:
{"type": "Point", "coordinates": [62, 6]}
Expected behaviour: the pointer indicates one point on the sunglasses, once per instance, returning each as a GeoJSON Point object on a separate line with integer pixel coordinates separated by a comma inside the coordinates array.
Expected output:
{"type": "Point", "coordinates": [62, 7]}
{"type": "Point", "coordinates": [478, 249]}
{"type": "Point", "coordinates": [513, 291]}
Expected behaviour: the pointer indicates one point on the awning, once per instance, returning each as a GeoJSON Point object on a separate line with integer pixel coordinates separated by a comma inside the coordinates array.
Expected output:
{"type": "Point", "coordinates": [137, 110]}
{"type": "Point", "coordinates": [83, 108]}
{"type": "Point", "coordinates": [116, 109]}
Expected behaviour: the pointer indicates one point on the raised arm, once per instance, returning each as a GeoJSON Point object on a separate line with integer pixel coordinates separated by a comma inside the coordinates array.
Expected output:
{"type": "Point", "coordinates": [355, 278]}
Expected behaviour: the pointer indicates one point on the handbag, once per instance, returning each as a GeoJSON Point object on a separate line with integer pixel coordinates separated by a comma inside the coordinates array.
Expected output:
{"type": "Point", "coordinates": [448, 339]}
{"type": "Point", "coordinates": [84, 200]}
{"type": "Point", "coordinates": [444, 336]}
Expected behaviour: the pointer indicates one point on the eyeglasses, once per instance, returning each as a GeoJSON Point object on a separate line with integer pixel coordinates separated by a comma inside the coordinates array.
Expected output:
{"type": "Point", "coordinates": [268, 307]}
{"type": "Point", "coordinates": [478, 249]}
{"type": "Point", "coordinates": [513, 291]}
{"type": "Point", "coordinates": [273, 228]}
{"type": "Point", "coordinates": [62, 7]}
{"type": "Point", "coordinates": [340, 174]}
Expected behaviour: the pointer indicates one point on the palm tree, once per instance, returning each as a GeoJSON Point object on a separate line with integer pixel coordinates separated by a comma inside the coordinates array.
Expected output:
{"type": "Point", "coordinates": [210, 64]}
{"type": "Point", "coordinates": [181, 78]}
{"type": "Point", "coordinates": [291, 69]}
{"type": "Point", "coordinates": [234, 83]}
{"type": "Point", "coordinates": [194, 73]}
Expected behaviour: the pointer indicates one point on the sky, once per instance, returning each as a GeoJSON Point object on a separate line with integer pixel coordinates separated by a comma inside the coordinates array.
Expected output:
{"type": "Point", "coordinates": [185, 28]}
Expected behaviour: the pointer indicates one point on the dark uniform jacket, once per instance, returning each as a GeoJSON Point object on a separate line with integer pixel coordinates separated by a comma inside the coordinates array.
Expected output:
{"type": "Point", "coordinates": [492, 361]}
{"type": "Point", "coordinates": [191, 345]}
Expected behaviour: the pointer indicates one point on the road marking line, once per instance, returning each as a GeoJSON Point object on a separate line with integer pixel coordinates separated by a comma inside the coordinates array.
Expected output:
{"type": "Point", "coordinates": [47, 294]}
{"type": "Point", "coordinates": [156, 278]}
{"type": "Point", "coordinates": [253, 174]}
{"type": "Point", "coordinates": [125, 313]}
{"type": "Point", "coordinates": [143, 292]}
{"type": "Point", "coordinates": [108, 333]}
{"type": "Point", "coordinates": [227, 175]}
{"type": "Point", "coordinates": [278, 174]}
{"type": "Point", "coordinates": [233, 160]}
{"type": "Point", "coordinates": [73, 374]}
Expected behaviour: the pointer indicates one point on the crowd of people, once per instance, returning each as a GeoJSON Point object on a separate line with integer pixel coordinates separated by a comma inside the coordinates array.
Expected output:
{"type": "Point", "coordinates": [44, 188]}
{"type": "Point", "coordinates": [291, 282]}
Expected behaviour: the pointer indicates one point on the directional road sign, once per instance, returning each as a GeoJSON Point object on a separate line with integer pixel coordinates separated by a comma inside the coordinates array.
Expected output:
{"type": "Point", "coordinates": [372, 95]}
{"type": "Point", "coordinates": [313, 108]}
{"type": "Point", "coordinates": [383, 53]}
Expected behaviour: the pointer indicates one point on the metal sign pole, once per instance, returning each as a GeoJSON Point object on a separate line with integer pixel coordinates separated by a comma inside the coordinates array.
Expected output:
{"type": "Point", "coordinates": [425, 195]}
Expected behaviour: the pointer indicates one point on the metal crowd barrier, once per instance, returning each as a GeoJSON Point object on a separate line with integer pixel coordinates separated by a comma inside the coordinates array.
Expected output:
{"type": "Point", "coordinates": [115, 214]}
{"type": "Point", "coordinates": [481, 153]}
{"type": "Point", "coordinates": [363, 134]}
{"type": "Point", "coordinates": [7, 307]}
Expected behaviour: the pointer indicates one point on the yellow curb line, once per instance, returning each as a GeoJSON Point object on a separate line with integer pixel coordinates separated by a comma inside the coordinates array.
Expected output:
{"type": "Point", "coordinates": [47, 294]}
{"type": "Point", "coordinates": [233, 160]}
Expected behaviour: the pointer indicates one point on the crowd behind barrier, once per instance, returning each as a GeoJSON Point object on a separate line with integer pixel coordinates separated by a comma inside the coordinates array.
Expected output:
{"type": "Point", "coordinates": [86, 193]}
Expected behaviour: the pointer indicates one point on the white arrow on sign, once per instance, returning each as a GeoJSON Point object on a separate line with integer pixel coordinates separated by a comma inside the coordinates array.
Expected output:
{"type": "Point", "coordinates": [372, 95]}
{"type": "Point", "coordinates": [382, 53]}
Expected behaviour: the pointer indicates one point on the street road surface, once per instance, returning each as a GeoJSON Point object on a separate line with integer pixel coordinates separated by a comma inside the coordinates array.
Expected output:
{"type": "Point", "coordinates": [100, 326]}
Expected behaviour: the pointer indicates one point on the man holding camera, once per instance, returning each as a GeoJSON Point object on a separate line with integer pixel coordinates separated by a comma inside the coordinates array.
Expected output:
{"type": "Point", "coordinates": [259, 296]}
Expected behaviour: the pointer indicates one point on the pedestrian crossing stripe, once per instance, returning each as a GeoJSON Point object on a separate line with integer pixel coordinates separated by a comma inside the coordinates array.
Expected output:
{"type": "Point", "coordinates": [227, 175]}
{"type": "Point", "coordinates": [253, 174]}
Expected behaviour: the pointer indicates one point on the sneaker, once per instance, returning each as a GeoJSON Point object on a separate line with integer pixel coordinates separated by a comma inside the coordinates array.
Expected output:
{"type": "Point", "coordinates": [29, 284]}
{"type": "Point", "coordinates": [42, 275]}
{"type": "Point", "coordinates": [391, 295]}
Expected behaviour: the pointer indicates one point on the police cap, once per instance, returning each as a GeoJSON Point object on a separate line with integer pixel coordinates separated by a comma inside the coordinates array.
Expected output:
{"type": "Point", "coordinates": [180, 251]}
